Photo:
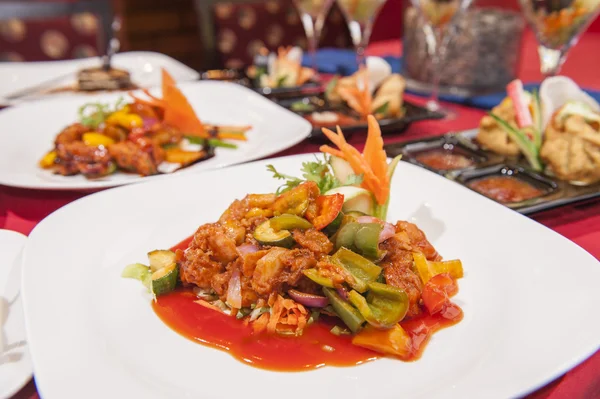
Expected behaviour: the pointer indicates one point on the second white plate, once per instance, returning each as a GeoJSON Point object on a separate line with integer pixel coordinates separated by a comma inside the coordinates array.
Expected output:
{"type": "Point", "coordinates": [28, 131]}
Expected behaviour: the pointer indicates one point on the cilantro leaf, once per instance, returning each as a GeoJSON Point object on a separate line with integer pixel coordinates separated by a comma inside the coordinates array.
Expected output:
{"type": "Point", "coordinates": [290, 181]}
{"type": "Point", "coordinates": [93, 115]}
{"type": "Point", "coordinates": [318, 171]}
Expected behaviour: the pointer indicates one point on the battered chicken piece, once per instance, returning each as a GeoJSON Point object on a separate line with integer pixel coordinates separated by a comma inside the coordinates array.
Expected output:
{"type": "Point", "coordinates": [398, 272]}
{"type": "Point", "coordinates": [70, 134]}
{"type": "Point", "coordinates": [132, 157]}
{"type": "Point", "coordinates": [250, 211]}
{"type": "Point", "coordinates": [76, 157]}
{"type": "Point", "coordinates": [314, 241]}
{"type": "Point", "coordinates": [209, 253]}
{"type": "Point", "coordinates": [281, 266]}
{"type": "Point", "coordinates": [571, 149]}
{"type": "Point", "coordinates": [492, 137]}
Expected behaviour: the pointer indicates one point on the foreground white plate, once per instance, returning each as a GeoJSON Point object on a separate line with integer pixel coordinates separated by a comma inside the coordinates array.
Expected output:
{"type": "Point", "coordinates": [528, 296]}
{"type": "Point", "coordinates": [15, 362]}
{"type": "Point", "coordinates": [144, 67]}
{"type": "Point", "coordinates": [28, 131]}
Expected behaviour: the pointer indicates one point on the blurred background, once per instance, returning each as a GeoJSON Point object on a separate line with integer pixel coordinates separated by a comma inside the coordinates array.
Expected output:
{"type": "Point", "coordinates": [205, 34]}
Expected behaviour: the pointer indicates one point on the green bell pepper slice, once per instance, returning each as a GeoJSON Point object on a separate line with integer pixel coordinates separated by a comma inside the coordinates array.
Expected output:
{"type": "Point", "coordinates": [384, 306]}
{"type": "Point", "coordinates": [349, 315]}
{"type": "Point", "coordinates": [314, 275]}
{"type": "Point", "coordinates": [289, 222]}
{"type": "Point", "coordinates": [366, 239]}
{"type": "Point", "coordinates": [363, 270]}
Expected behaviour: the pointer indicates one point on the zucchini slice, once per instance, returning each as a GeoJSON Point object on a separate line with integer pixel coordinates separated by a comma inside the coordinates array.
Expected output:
{"type": "Point", "coordinates": [160, 258]}
{"type": "Point", "coordinates": [165, 279]}
{"type": "Point", "coordinates": [266, 235]}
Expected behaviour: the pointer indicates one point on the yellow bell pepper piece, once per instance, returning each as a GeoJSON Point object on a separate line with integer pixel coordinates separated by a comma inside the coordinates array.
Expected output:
{"type": "Point", "coordinates": [48, 160]}
{"type": "Point", "coordinates": [97, 139]}
{"type": "Point", "coordinates": [427, 269]}
{"type": "Point", "coordinates": [128, 121]}
{"type": "Point", "coordinates": [392, 341]}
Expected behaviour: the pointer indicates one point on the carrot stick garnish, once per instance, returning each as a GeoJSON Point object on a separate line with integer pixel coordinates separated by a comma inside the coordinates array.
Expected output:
{"type": "Point", "coordinates": [232, 136]}
{"type": "Point", "coordinates": [373, 152]}
{"type": "Point", "coordinates": [332, 151]}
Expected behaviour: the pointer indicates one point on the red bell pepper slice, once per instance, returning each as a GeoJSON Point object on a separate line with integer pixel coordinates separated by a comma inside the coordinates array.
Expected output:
{"type": "Point", "coordinates": [437, 292]}
{"type": "Point", "coordinates": [326, 209]}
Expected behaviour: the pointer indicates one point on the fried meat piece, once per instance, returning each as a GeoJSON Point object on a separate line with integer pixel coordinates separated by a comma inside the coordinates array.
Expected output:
{"type": "Point", "coordinates": [76, 157]}
{"type": "Point", "coordinates": [492, 137]}
{"type": "Point", "coordinates": [71, 134]}
{"type": "Point", "coordinates": [209, 253]}
{"type": "Point", "coordinates": [314, 241]}
{"type": "Point", "coordinates": [281, 267]}
{"type": "Point", "coordinates": [134, 158]}
{"type": "Point", "coordinates": [572, 149]}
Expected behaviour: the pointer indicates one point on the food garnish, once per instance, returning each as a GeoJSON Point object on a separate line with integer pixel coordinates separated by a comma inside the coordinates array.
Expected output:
{"type": "Point", "coordinates": [282, 70]}
{"type": "Point", "coordinates": [319, 250]}
{"type": "Point", "coordinates": [148, 136]}
{"type": "Point", "coordinates": [557, 131]}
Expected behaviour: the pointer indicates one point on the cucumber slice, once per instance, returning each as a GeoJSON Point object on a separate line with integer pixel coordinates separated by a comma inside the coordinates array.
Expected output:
{"type": "Point", "coordinates": [165, 279]}
{"type": "Point", "coordinates": [355, 199]}
{"type": "Point", "coordinates": [266, 235]}
{"type": "Point", "coordinates": [139, 272]}
{"type": "Point", "coordinates": [341, 168]}
{"type": "Point", "coordinates": [160, 258]}
{"type": "Point", "coordinates": [289, 222]}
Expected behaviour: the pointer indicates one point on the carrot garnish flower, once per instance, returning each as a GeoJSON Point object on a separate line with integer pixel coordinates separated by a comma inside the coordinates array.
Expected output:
{"type": "Point", "coordinates": [371, 164]}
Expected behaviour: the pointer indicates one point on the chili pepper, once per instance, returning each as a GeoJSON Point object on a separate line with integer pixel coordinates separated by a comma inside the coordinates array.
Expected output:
{"type": "Point", "coordinates": [363, 270]}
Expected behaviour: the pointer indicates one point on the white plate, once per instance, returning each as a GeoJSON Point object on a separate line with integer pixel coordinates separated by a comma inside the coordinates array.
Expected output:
{"type": "Point", "coordinates": [528, 295]}
{"type": "Point", "coordinates": [15, 362]}
{"type": "Point", "coordinates": [144, 66]}
{"type": "Point", "coordinates": [28, 131]}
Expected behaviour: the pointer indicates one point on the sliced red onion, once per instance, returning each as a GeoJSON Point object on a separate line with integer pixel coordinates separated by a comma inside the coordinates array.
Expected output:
{"type": "Point", "coordinates": [310, 300]}
{"type": "Point", "coordinates": [234, 291]}
{"type": "Point", "coordinates": [245, 249]}
{"type": "Point", "coordinates": [388, 228]}
{"type": "Point", "coordinates": [388, 231]}
{"type": "Point", "coordinates": [342, 292]}
{"type": "Point", "coordinates": [148, 122]}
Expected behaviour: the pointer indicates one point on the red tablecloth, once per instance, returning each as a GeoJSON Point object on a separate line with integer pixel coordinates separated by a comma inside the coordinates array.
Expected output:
{"type": "Point", "coordinates": [21, 210]}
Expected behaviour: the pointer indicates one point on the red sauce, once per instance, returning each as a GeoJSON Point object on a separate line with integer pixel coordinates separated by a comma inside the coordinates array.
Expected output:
{"type": "Point", "coordinates": [444, 160]}
{"type": "Point", "coordinates": [206, 326]}
{"type": "Point", "coordinates": [317, 346]}
{"type": "Point", "coordinates": [505, 189]}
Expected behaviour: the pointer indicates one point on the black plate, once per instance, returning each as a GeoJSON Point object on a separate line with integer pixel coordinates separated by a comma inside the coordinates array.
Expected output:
{"type": "Point", "coordinates": [239, 76]}
{"type": "Point", "coordinates": [559, 193]}
{"type": "Point", "coordinates": [413, 113]}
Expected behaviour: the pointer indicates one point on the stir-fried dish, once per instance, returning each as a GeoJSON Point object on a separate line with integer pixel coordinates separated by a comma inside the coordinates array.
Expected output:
{"type": "Point", "coordinates": [147, 136]}
{"type": "Point", "coordinates": [313, 269]}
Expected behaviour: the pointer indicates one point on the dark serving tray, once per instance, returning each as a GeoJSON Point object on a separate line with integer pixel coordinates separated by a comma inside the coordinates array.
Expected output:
{"type": "Point", "coordinates": [413, 113]}
{"type": "Point", "coordinates": [239, 76]}
{"type": "Point", "coordinates": [555, 192]}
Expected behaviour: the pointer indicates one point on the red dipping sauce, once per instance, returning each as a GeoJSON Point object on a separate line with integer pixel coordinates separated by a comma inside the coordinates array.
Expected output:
{"type": "Point", "coordinates": [315, 348]}
{"type": "Point", "coordinates": [505, 189]}
{"type": "Point", "coordinates": [444, 160]}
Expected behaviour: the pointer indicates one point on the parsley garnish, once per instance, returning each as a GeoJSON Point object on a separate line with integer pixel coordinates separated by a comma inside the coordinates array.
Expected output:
{"type": "Point", "coordinates": [93, 115]}
{"type": "Point", "coordinates": [319, 172]}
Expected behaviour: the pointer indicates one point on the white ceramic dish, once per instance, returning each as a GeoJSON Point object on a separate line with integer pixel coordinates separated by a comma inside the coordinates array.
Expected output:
{"type": "Point", "coordinates": [28, 131]}
{"type": "Point", "coordinates": [528, 295]}
{"type": "Point", "coordinates": [144, 67]}
{"type": "Point", "coordinates": [15, 362]}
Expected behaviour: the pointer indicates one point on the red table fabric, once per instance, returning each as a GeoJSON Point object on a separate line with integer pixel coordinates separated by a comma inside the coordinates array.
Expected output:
{"type": "Point", "coordinates": [21, 210]}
